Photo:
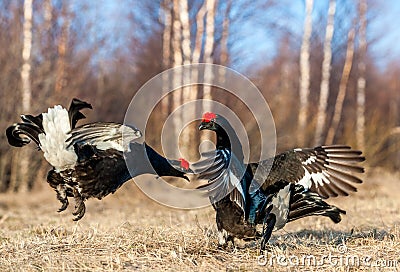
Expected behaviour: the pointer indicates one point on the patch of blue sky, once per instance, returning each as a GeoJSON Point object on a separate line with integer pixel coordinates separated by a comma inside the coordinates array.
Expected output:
{"type": "Point", "coordinates": [253, 39]}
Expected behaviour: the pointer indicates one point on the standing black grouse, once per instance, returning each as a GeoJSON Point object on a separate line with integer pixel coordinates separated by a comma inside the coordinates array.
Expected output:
{"type": "Point", "coordinates": [89, 160]}
{"type": "Point", "coordinates": [275, 191]}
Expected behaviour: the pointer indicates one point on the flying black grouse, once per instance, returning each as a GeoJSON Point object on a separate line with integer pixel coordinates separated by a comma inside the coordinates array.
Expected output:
{"type": "Point", "coordinates": [275, 191]}
{"type": "Point", "coordinates": [89, 160]}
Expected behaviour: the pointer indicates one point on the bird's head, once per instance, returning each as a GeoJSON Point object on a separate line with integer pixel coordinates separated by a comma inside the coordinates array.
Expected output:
{"type": "Point", "coordinates": [226, 135]}
{"type": "Point", "coordinates": [210, 121]}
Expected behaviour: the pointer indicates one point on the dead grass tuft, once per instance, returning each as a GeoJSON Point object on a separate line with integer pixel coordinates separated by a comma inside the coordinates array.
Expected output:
{"type": "Point", "coordinates": [126, 232]}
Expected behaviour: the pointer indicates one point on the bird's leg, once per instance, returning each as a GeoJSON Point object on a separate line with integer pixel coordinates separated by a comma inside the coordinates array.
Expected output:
{"type": "Point", "coordinates": [268, 226]}
{"type": "Point", "coordinates": [231, 239]}
{"type": "Point", "coordinates": [224, 237]}
{"type": "Point", "coordinates": [62, 196]}
{"type": "Point", "coordinates": [79, 205]}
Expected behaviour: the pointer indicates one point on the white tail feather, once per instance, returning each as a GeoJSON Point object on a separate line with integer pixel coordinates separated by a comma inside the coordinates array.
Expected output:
{"type": "Point", "coordinates": [56, 125]}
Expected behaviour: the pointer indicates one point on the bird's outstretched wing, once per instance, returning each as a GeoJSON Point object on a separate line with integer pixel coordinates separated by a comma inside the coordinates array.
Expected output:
{"type": "Point", "coordinates": [326, 170]}
{"type": "Point", "coordinates": [224, 173]}
{"type": "Point", "coordinates": [104, 135]}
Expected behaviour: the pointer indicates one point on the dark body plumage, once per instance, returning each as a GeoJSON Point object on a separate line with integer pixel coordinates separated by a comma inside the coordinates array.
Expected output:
{"type": "Point", "coordinates": [275, 191]}
{"type": "Point", "coordinates": [100, 157]}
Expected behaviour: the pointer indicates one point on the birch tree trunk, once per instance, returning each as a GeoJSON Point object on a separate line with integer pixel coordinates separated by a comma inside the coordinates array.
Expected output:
{"type": "Point", "coordinates": [26, 57]}
{"type": "Point", "coordinates": [208, 49]}
{"type": "Point", "coordinates": [47, 50]}
{"type": "Point", "coordinates": [167, 12]}
{"type": "Point", "coordinates": [176, 35]}
{"type": "Point", "coordinates": [20, 163]}
{"type": "Point", "coordinates": [47, 14]}
{"type": "Point", "coordinates": [360, 129]}
{"type": "Point", "coordinates": [342, 88]}
{"type": "Point", "coordinates": [197, 50]}
{"type": "Point", "coordinates": [305, 72]}
{"type": "Point", "coordinates": [184, 19]}
{"type": "Point", "coordinates": [188, 146]}
{"type": "Point", "coordinates": [198, 45]}
{"type": "Point", "coordinates": [47, 25]}
{"type": "Point", "coordinates": [223, 60]}
{"type": "Point", "coordinates": [186, 45]}
{"type": "Point", "coordinates": [326, 73]}
{"type": "Point", "coordinates": [225, 34]}
{"type": "Point", "coordinates": [177, 61]}
{"type": "Point", "coordinates": [62, 49]}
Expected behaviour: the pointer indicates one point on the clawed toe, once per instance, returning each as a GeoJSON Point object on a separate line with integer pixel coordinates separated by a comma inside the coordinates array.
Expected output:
{"type": "Point", "coordinates": [64, 205]}
{"type": "Point", "coordinates": [62, 196]}
{"type": "Point", "coordinates": [79, 212]}
{"type": "Point", "coordinates": [80, 208]}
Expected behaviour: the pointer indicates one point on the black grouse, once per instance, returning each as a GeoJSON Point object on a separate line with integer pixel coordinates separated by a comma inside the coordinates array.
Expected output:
{"type": "Point", "coordinates": [275, 191]}
{"type": "Point", "coordinates": [89, 160]}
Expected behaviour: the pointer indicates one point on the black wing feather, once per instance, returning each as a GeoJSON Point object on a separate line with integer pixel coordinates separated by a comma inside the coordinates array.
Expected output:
{"type": "Point", "coordinates": [224, 172]}
{"type": "Point", "coordinates": [331, 169]}
{"type": "Point", "coordinates": [101, 132]}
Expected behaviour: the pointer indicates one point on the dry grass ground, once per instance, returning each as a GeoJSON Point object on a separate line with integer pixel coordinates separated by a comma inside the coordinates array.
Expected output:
{"type": "Point", "coordinates": [126, 232]}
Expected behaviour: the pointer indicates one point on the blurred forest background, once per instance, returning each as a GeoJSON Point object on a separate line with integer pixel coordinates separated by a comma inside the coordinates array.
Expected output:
{"type": "Point", "coordinates": [326, 75]}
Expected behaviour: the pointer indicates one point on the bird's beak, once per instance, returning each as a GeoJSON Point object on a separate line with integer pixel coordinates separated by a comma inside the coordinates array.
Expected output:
{"type": "Point", "coordinates": [202, 126]}
{"type": "Point", "coordinates": [185, 177]}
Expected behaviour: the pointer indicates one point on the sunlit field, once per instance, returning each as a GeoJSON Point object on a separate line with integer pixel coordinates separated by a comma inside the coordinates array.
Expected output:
{"type": "Point", "coordinates": [127, 231]}
{"type": "Point", "coordinates": [180, 77]}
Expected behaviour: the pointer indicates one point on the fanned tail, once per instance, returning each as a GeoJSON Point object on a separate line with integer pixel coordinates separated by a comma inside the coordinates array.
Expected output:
{"type": "Point", "coordinates": [21, 134]}
{"type": "Point", "coordinates": [74, 111]}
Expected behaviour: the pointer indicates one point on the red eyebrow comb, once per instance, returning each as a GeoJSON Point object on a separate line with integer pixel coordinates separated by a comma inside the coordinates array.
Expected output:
{"type": "Point", "coordinates": [184, 163]}
{"type": "Point", "coordinates": [208, 116]}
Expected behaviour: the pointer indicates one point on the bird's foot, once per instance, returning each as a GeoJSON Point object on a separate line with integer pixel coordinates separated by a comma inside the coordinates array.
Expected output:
{"type": "Point", "coordinates": [64, 206]}
{"type": "Point", "coordinates": [224, 238]}
{"type": "Point", "coordinates": [80, 207]}
{"type": "Point", "coordinates": [62, 196]}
